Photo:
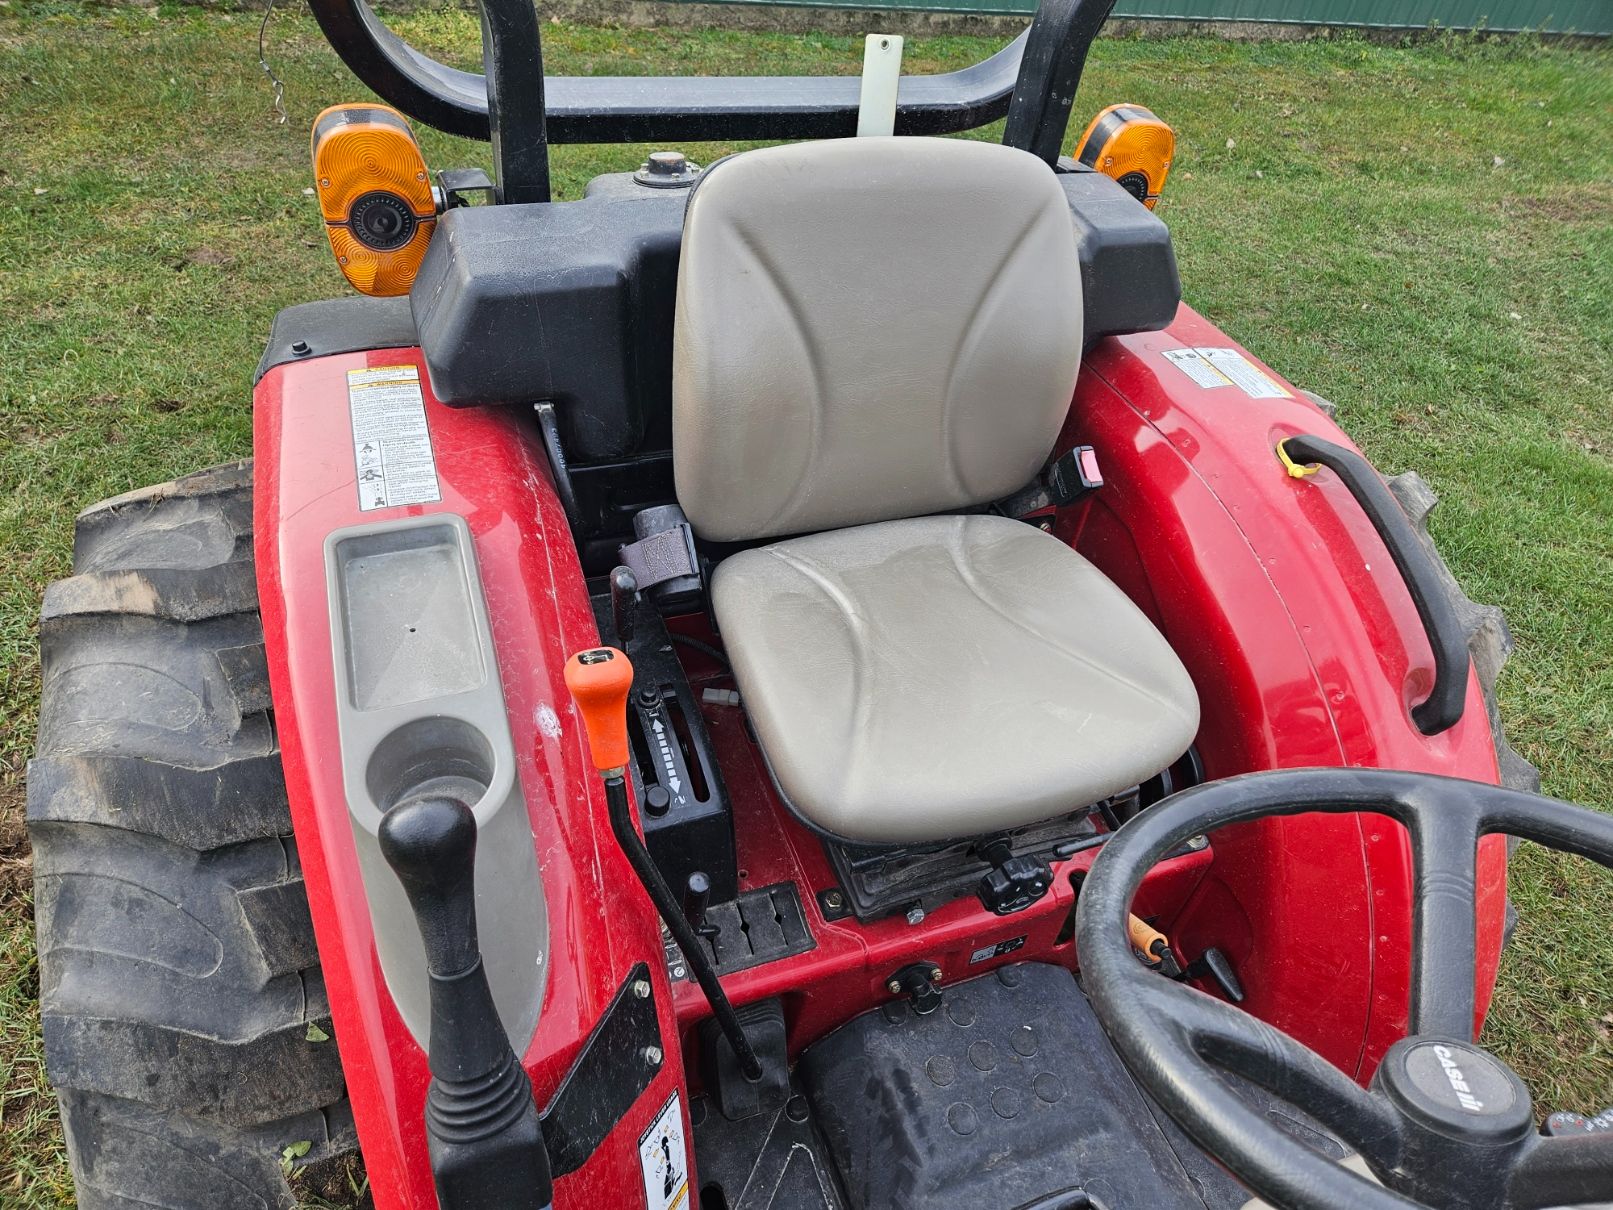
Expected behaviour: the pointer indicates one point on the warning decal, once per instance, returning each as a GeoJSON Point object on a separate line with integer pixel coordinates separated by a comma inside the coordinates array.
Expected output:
{"type": "Point", "coordinates": [664, 1160]}
{"type": "Point", "coordinates": [1195, 367]}
{"type": "Point", "coordinates": [1210, 367]}
{"type": "Point", "coordinates": [391, 444]}
{"type": "Point", "coordinates": [987, 952]}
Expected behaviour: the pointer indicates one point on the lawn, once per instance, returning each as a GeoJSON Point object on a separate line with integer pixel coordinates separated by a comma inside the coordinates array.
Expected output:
{"type": "Point", "coordinates": [1424, 235]}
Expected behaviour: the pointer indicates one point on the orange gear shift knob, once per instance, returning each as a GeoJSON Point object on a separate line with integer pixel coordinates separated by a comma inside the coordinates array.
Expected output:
{"type": "Point", "coordinates": [599, 680]}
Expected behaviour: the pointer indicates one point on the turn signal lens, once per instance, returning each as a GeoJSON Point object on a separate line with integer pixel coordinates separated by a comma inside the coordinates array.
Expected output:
{"type": "Point", "coordinates": [1130, 144]}
{"type": "Point", "coordinates": [375, 194]}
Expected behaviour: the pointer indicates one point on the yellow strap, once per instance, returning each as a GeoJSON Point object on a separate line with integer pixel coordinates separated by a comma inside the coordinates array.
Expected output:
{"type": "Point", "coordinates": [1297, 470]}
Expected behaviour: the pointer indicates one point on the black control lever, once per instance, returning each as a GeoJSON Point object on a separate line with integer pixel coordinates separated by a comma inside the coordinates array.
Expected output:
{"type": "Point", "coordinates": [1013, 883]}
{"type": "Point", "coordinates": [482, 1125]}
{"type": "Point", "coordinates": [623, 605]}
{"type": "Point", "coordinates": [696, 899]}
{"type": "Point", "coordinates": [1212, 964]}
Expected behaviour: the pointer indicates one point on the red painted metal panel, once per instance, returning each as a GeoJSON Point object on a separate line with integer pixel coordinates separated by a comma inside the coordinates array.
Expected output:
{"type": "Point", "coordinates": [600, 922]}
{"type": "Point", "coordinates": [1278, 595]}
{"type": "Point", "coordinates": [1306, 649]}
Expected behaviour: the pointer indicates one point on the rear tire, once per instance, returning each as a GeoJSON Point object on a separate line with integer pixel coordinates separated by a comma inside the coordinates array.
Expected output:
{"type": "Point", "coordinates": [180, 986]}
{"type": "Point", "coordinates": [1489, 639]}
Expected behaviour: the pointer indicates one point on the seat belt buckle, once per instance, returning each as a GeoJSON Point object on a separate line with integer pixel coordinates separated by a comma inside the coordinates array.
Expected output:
{"type": "Point", "coordinates": [1073, 475]}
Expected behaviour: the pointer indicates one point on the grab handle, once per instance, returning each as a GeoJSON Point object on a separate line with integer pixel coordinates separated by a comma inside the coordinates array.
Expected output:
{"type": "Point", "coordinates": [1443, 706]}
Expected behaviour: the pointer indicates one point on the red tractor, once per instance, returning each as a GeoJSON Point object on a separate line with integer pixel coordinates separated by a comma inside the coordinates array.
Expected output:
{"type": "Point", "coordinates": [810, 682]}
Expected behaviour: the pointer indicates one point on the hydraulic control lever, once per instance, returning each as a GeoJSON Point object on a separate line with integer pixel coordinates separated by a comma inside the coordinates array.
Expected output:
{"type": "Point", "coordinates": [600, 680]}
{"type": "Point", "coordinates": [482, 1127]}
{"type": "Point", "coordinates": [623, 604]}
{"type": "Point", "coordinates": [1153, 950]}
{"type": "Point", "coordinates": [696, 899]}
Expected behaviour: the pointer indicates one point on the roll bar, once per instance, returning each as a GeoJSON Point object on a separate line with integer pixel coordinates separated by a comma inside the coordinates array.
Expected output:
{"type": "Point", "coordinates": [520, 111]}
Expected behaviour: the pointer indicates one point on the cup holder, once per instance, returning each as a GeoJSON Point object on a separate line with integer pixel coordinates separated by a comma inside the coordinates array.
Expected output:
{"type": "Point", "coordinates": [435, 757]}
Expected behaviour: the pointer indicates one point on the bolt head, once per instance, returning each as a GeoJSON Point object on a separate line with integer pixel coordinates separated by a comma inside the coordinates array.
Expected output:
{"type": "Point", "coordinates": [641, 988]}
{"type": "Point", "coordinates": [894, 988]}
{"type": "Point", "coordinates": [653, 1055]}
{"type": "Point", "coordinates": [915, 915]}
{"type": "Point", "coordinates": [834, 899]}
{"type": "Point", "coordinates": [935, 974]}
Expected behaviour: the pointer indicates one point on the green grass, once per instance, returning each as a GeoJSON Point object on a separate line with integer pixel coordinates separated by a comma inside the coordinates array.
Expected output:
{"type": "Point", "coordinates": [1425, 235]}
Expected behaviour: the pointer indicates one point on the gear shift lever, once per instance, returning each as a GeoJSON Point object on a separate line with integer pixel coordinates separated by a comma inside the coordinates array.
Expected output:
{"type": "Point", "coordinates": [599, 681]}
{"type": "Point", "coordinates": [482, 1126]}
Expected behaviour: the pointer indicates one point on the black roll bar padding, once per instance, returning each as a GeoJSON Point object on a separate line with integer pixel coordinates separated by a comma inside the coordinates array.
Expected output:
{"type": "Point", "coordinates": [1040, 68]}
{"type": "Point", "coordinates": [1443, 706]}
{"type": "Point", "coordinates": [1049, 71]}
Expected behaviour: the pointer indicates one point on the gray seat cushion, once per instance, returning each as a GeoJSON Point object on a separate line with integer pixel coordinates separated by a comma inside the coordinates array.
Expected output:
{"type": "Point", "coordinates": [928, 679]}
{"type": "Point", "coordinates": [869, 329]}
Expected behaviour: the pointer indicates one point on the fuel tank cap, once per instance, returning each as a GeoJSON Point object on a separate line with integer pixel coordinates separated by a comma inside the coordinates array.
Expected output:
{"type": "Point", "coordinates": [667, 170]}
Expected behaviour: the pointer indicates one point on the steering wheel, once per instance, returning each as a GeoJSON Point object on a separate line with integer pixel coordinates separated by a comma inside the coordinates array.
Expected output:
{"type": "Point", "coordinates": [1445, 1124]}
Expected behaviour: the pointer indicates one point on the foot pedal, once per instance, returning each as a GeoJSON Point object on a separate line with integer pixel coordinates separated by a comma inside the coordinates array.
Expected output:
{"type": "Point", "coordinates": [737, 1097]}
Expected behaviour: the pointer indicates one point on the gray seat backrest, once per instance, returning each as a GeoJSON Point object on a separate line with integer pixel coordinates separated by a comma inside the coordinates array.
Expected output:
{"type": "Point", "coordinates": [869, 329]}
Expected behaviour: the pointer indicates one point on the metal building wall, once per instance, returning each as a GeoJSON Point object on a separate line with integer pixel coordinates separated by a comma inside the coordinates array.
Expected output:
{"type": "Point", "coordinates": [1593, 17]}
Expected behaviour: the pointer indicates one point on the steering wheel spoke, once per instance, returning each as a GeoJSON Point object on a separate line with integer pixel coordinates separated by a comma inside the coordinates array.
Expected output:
{"type": "Point", "coordinates": [1245, 1046]}
{"type": "Point", "coordinates": [1566, 1171]}
{"type": "Point", "coordinates": [1445, 842]}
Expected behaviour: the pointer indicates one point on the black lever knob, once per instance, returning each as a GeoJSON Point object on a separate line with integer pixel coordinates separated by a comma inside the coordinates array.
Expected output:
{"type": "Point", "coordinates": [696, 900]}
{"type": "Point", "coordinates": [431, 846]}
{"type": "Point", "coordinates": [1216, 966]}
{"type": "Point", "coordinates": [482, 1127]}
{"type": "Point", "coordinates": [623, 605]}
{"type": "Point", "coordinates": [1013, 883]}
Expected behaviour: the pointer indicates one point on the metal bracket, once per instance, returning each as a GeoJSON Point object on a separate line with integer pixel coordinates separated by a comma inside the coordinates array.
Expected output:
{"type": "Point", "coordinates": [920, 983]}
{"type": "Point", "coordinates": [619, 1061]}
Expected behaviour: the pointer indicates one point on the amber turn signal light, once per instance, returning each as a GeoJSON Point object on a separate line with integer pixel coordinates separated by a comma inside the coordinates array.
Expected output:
{"type": "Point", "coordinates": [599, 680]}
{"type": "Point", "coordinates": [375, 194]}
{"type": "Point", "coordinates": [1130, 144]}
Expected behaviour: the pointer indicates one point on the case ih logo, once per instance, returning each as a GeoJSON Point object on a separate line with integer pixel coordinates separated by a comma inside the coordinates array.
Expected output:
{"type": "Point", "coordinates": [1459, 1085]}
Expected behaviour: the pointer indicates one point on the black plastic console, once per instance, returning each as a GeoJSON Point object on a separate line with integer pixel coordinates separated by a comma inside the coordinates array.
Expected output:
{"type": "Point", "coordinates": [683, 804]}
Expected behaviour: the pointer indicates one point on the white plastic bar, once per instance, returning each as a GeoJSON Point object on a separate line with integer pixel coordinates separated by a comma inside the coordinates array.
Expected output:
{"type": "Point", "coordinates": [882, 69]}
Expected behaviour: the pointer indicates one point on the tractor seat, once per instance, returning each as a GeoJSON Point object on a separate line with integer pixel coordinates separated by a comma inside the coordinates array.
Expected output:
{"type": "Point", "coordinates": [870, 332]}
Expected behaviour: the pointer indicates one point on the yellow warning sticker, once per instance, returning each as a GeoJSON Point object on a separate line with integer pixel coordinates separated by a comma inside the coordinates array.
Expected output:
{"type": "Point", "coordinates": [1221, 367]}
{"type": "Point", "coordinates": [391, 443]}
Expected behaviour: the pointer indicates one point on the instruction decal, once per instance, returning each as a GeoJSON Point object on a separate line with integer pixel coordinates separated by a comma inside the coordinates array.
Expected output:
{"type": "Point", "coordinates": [987, 952]}
{"type": "Point", "coordinates": [1212, 367]}
{"type": "Point", "coordinates": [391, 444]}
{"type": "Point", "coordinates": [664, 1160]}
